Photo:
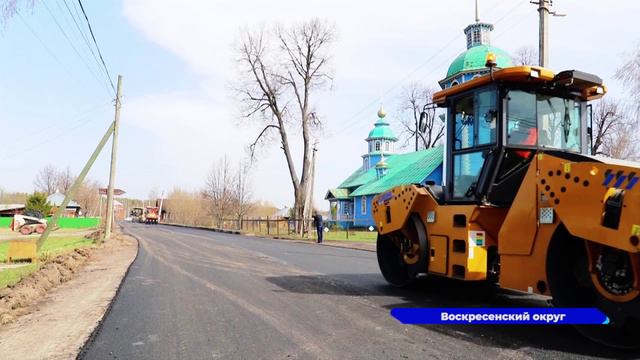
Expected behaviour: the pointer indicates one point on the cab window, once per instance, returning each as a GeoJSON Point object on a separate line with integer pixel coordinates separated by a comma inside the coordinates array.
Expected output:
{"type": "Point", "coordinates": [465, 121]}
{"type": "Point", "coordinates": [475, 120]}
{"type": "Point", "coordinates": [475, 130]}
{"type": "Point", "coordinates": [521, 118]}
{"type": "Point", "coordinates": [543, 120]}
{"type": "Point", "coordinates": [466, 170]}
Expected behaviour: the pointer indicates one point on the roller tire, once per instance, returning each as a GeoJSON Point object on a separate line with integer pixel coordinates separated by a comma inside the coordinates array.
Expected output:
{"type": "Point", "coordinates": [571, 286]}
{"type": "Point", "coordinates": [392, 265]}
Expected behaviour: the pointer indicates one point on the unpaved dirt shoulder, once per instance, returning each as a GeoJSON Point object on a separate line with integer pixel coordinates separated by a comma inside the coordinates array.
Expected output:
{"type": "Point", "coordinates": [57, 326]}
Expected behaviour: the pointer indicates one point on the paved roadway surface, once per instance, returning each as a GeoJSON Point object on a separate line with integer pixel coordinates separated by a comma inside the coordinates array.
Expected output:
{"type": "Point", "coordinates": [195, 294]}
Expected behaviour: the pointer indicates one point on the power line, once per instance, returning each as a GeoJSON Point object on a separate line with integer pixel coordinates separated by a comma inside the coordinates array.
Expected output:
{"type": "Point", "coordinates": [97, 47]}
{"type": "Point", "coordinates": [353, 120]}
{"type": "Point", "coordinates": [82, 120]}
{"type": "Point", "coordinates": [83, 34]}
{"type": "Point", "coordinates": [64, 33]}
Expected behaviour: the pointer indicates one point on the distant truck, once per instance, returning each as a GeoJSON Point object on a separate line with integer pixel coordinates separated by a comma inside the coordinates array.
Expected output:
{"type": "Point", "coordinates": [151, 214]}
{"type": "Point", "coordinates": [137, 214]}
{"type": "Point", "coordinates": [27, 225]}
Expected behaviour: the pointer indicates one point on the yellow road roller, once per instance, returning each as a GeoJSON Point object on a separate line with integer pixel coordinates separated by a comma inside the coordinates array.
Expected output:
{"type": "Point", "coordinates": [523, 203]}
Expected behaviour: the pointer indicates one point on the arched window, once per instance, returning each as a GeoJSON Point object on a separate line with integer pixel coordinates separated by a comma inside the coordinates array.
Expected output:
{"type": "Point", "coordinates": [386, 146]}
{"type": "Point", "coordinates": [363, 205]}
{"type": "Point", "coordinates": [377, 145]}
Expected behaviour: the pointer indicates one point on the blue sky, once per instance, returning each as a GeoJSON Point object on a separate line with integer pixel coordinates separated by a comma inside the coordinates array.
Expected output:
{"type": "Point", "coordinates": [177, 59]}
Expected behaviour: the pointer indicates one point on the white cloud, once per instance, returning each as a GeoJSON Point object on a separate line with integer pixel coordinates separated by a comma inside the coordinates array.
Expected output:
{"type": "Point", "coordinates": [380, 44]}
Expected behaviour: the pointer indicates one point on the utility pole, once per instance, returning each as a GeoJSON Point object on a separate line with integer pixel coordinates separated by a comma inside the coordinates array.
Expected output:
{"type": "Point", "coordinates": [160, 210]}
{"type": "Point", "coordinates": [112, 174]}
{"type": "Point", "coordinates": [543, 35]}
{"type": "Point", "coordinates": [543, 30]}
{"type": "Point", "coordinates": [309, 198]}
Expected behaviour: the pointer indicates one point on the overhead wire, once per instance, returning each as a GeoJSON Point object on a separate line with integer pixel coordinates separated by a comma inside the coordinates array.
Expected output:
{"type": "Point", "coordinates": [353, 120]}
{"type": "Point", "coordinates": [97, 47]}
{"type": "Point", "coordinates": [83, 36]}
{"type": "Point", "coordinates": [80, 120]}
{"type": "Point", "coordinates": [66, 36]}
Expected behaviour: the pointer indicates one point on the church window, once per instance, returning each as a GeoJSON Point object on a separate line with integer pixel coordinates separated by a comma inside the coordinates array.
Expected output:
{"type": "Point", "coordinates": [363, 205]}
{"type": "Point", "coordinates": [476, 36]}
{"type": "Point", "coordinates": [386, 146]}
{"type": "Point", "coordinates": [345, 208]}
{"type": "Point", "coordinates": [377, 145]}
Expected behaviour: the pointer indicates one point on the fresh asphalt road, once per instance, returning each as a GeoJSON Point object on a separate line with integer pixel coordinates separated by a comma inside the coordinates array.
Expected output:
{"type": "Point", "coordinates": [196, 294]}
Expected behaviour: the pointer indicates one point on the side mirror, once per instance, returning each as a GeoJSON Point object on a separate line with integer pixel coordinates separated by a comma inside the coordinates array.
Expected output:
{"type": "Point", "coordinates": [590, 127]}
{"type": "Point", "coordinates": [422, 124]}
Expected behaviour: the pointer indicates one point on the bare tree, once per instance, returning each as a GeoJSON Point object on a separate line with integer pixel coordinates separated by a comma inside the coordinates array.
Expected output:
{"type": "Point", "coordinates": [242, 192]}
{"type": "Point", "coordinates": [46, 180]}
{"type": "Point", "coordinates": [184, 207]}
{"type": "Point", "coordinates": [613, 132]}
{"type": "Point", "coordinates": [525, 55]}
{"type": "Point", "coordinates": [415, 97]}
{"type": "Point", "coordinates": [629, 73]}
{"type": "Point", "coordinates": [64, 180]}
{"type": "Point", "coordinates": [88, 197]}
{"type": "Point", "coordinates": [219, 191]}
{"type": "Point", "coordinates": [279, 91]}
{"type": "Point", "coordinates": [9, 8]}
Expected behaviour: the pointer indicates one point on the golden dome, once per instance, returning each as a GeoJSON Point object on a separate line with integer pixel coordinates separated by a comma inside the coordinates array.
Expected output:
{"type": "Point", "coordinates": [381, 112]}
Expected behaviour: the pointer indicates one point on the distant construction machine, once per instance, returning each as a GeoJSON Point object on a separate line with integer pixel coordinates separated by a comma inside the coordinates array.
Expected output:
{"type": "Point", "coordinates": [523, 204]}
{"type": "Point", "coordinates": [27, 225]}
{"type": "Point", "coordinates": [151, 215]}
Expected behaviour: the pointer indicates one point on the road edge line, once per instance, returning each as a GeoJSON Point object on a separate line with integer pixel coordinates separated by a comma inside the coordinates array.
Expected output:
{"type": "Point", "coordinates": [98, 328]}
{"type": "Point", "coordinates": [236, 232]}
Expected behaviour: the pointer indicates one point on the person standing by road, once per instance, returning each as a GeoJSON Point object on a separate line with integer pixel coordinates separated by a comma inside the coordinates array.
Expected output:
{"type": "Point", "coordinates": [318, 222]}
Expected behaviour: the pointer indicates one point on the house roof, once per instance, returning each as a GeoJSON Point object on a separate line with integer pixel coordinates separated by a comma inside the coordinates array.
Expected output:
{"type": "Point", "coordinates": [409, 168]}
{"type": "Point", "coordinates": [57, 198]}
{"type": "Point", "coordinates": [4, 207]}
{"type": "Point", "coordinates": [337, 194]}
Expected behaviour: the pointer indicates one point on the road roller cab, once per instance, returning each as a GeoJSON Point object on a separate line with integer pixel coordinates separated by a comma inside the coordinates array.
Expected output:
{"type": "Point", "coordinates": [523, 202]}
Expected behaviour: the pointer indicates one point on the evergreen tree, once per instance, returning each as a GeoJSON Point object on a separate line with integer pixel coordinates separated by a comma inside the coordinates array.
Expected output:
{"type": "Point", "coordinates": [37, 205]}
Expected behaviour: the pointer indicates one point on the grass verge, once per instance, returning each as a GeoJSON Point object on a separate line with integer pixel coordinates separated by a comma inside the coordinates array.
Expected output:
{"type": "Point", "coordinates": [51, 248]}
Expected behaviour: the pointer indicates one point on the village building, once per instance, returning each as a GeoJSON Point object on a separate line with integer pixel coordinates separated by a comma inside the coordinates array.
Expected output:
{"type": "Point", "coordinates": [56, 199]}
{"type": "Point", "coordinates": [382, 168]}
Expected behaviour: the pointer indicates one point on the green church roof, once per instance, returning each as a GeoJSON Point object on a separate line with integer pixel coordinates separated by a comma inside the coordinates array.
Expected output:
{"type": "Point", "coordinates": [409, 168]}
{"type": "Point", "coordinates": [338, 194]}
{"type": "Point", "coordinates": [475, 59]}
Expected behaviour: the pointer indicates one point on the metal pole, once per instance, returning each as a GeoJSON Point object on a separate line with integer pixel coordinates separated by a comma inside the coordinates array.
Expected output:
{"type": "Point", "coordinates": [543, 46]}
{"type": "Point", "coordinates": [160, 210]}
{"type": "Point", "coordinates": [112, 174]}
{"type": "Point", "coordinates": [416, 134]}
{"type": "Point", "coordinates": [74, 188]}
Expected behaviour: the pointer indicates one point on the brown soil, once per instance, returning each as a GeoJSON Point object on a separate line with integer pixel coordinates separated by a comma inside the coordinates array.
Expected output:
{"type": "Point", "coordinates": [14, 300]}
{"type": "Point", "coordinates": [51, 313]}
